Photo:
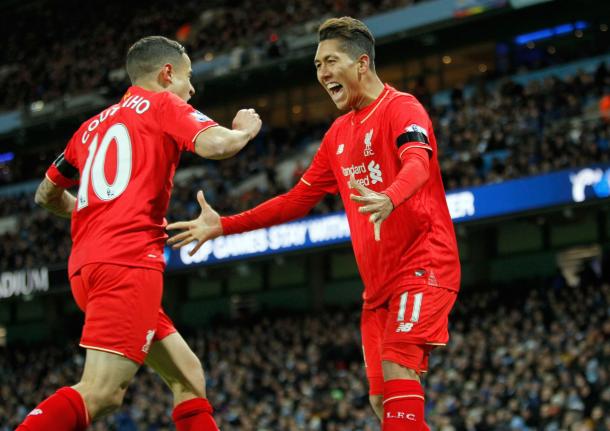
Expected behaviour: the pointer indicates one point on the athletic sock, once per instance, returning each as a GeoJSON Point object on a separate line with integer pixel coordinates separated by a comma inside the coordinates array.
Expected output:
{"type": "Point", "coordinates": [63, 411]}
{"type": "Point", "coordinates": [194, 415]}
{"type": "Point", "coordinates": [403, 405]}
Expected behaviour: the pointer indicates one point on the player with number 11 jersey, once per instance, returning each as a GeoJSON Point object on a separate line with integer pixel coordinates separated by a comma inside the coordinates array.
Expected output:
{"type": "Point", "coordinates": [381, 157]}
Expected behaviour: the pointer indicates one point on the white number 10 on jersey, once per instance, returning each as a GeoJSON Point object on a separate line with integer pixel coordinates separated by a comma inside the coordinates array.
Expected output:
{"type": "Point", "coordinates": [96, 162]}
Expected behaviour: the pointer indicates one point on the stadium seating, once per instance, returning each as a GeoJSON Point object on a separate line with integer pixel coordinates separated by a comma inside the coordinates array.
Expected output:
{"type": "Point", "coordinates": [60, 58]}
{"type": "Point", "coordinates": [523, 356]}
{"type": "Point", "coordinates": [506, 132]}
{"type": "Point", "coordinates": [519, 359]}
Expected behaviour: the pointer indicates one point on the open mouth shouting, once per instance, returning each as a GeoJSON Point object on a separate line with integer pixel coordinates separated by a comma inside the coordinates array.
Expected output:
{"type": "Point", "coordinates": [335, 89]}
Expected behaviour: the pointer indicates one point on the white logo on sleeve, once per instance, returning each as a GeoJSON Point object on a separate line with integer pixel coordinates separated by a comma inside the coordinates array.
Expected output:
{"type": "Point", "coordinates": [35, 412]}
{"type": "Point", "coordinates": [368, 145]}
{"type": "Point", "coordinates": [417, 129]}
{"type": "Point", "coordinates": [200, 116]}
{"type": "Point", "coordinates": [340, 149]}
{"type": "Point", "coordinates": [375, 172]}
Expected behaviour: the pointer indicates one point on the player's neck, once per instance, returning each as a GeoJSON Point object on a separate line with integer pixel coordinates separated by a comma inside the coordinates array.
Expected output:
{"type": "Point", "coordinates": [372, 87]}
{"type": "Point", "coordinates": [149, 85]}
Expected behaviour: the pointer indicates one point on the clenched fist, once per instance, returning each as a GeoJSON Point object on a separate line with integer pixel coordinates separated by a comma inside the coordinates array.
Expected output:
{"type": "Point", "coordinates": [248, 121]}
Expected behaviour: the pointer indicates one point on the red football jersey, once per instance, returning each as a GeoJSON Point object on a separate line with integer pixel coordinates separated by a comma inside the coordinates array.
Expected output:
{"type": "Point", "coordinates": [418, 242]}
{"type": "Point", "coordinates": [124, 161]}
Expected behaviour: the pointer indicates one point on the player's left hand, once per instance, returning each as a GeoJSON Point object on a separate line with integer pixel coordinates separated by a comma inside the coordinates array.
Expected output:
{"type": "Point", "coordinates": [379, 205]}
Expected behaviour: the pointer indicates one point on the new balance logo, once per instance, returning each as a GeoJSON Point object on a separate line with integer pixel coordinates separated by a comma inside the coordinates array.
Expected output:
{"type": "Point", "coordinates": [368, 145]}
{"type": "Point", "coordinates": [340, 149]}
{"type": "Point", "coordinates": [35, 412]}
{"type": "Point", "coordinates": [404, 327]}
{"type": "Point", "coordinates": [375, 172]}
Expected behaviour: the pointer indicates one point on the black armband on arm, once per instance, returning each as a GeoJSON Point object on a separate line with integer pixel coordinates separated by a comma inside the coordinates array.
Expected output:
{"type": "Point", "coordinates": [65, 168]}
{"type": "Point", "coordinates": [412, 137]}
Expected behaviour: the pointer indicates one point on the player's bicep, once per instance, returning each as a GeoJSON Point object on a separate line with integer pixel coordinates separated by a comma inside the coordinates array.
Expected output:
{"type": "Point", "coordinates": [304, 196]}
{"type": "Point", "coordinates": [411, 126]}
{"type": "Point", "coordinates": [212, 143]}
{"type": "Point", "coordinates": [319, 174]}
{"type": "Point", "coordinates": [323, 181]}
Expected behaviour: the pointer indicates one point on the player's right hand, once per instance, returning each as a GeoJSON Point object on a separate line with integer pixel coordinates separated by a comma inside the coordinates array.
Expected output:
{"type": "Point", "coordinates": [377, 204]}
{"type": "Point", "coordinates": [248, 121]}
{"type": "Point", "coordinates": [205, 227]}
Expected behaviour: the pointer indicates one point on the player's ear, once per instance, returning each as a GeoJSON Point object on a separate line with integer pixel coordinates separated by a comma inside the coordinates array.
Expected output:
{"type": "Point", "coordinates": [166, 74]}
{"type": "Point", "coordinates": [363, 63]}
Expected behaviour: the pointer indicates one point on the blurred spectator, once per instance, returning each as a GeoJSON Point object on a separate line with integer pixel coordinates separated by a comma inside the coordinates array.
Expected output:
{"type": "Point", "coordinates": [495, 135]}
{"type": "Point", "coordinates": [604, 105]}
{"type": "Point", "coordinates": [515, 131]}
{"type": "Point", "coordinates": [49, 54]}
{"type": "Point", "coordinates": [518, 360]}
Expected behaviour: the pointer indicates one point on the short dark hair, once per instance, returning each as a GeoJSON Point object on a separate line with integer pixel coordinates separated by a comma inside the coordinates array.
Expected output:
{"type": "Point", "coordinates": [355, 36]}
{"type": "Point", "coordinates": [150, 53]}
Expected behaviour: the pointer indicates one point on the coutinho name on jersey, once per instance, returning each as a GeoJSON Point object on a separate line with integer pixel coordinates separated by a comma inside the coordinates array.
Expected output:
{"type": "Point", "coordinates": [139, 104]}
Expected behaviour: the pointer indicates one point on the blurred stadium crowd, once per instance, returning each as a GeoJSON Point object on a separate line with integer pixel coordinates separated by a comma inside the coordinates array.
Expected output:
{"type": "Point", "coordinates": [518, 130]}
{"type": "Point", "coordinates": [48, 54]}
{"type": "Point", "coordinates": [519, 359]}
{"type": "Point", "coordinates": [492, 134]}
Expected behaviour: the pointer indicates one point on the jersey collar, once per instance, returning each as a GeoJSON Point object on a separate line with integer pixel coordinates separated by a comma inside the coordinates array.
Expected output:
{"type": "Point", "coordinates": [134, 90]}
{"type": "Point", "coordinates": [360, 116]}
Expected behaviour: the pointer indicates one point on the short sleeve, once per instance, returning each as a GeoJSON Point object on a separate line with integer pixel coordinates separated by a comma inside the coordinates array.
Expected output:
{"type": "Point", "coordinates": [63, 172]}
{"type": "Point", "coordinates": [182, 122]}
{"type": "Point", "coordinates": [320, 174]}
{"type": "Point", "coordinates": [410, 125]}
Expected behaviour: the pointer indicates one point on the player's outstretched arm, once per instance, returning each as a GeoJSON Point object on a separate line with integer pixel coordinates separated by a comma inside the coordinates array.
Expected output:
{"type": "Point", "coordinates": [293, 204]}
{"type": "Point", "coordinates": [219, 143]}
{"type": "Point", "coordinates": [55, 199]}
{"type": "Point", "coordinates": [204, 228]}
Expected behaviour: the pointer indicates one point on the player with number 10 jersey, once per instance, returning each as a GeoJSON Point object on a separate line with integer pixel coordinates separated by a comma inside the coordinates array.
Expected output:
{"type": "Point", "coordinates": [130, 150]}
{"type": "Point", "coordinates": [123, 161]}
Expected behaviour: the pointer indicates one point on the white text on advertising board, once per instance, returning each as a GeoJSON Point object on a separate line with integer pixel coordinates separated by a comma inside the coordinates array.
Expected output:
{"type": "Point", "coordinates": [277, 238]}
{"type": "Point", "coordinates": [25, 282]}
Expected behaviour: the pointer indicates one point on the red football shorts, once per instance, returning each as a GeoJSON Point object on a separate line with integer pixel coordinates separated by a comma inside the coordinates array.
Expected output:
{"type": "Point", "coordinates": [122, 307]}
{"type": "Point", "coordinates": [405, 330]}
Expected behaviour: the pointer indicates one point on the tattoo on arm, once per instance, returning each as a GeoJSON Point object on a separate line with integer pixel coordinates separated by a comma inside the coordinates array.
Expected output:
{"type": "Point", "coordinates": [55, 199]}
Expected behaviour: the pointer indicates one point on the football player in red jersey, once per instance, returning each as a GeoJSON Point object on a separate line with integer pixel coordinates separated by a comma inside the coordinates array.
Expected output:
{"type": "Point", "coordinates": [381, 156]}
{"type": "Point", "coordinates": [123, 161]}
